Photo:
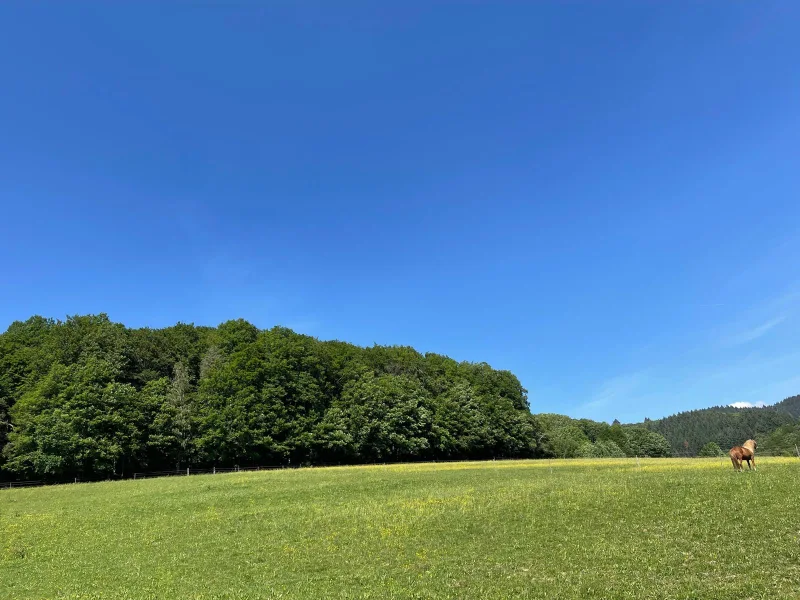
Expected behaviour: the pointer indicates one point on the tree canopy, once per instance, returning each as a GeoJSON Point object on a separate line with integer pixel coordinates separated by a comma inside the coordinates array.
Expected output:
{"type": "Point", "coordinates": [726, 426]}
{"type": "Point", "coordinates": [90, 398]}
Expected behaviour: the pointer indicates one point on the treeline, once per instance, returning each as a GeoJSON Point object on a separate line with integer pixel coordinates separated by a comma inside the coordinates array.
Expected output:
{"type": "Point", "coordinates": [724, 426]}
{"type": "Point", "coordinates": [790, 406]}
{"type": "Point", "coordinates": [563, 437]}
{"type": "Point", "coordinates": [92, 399]}
{"type": "Point", "coordinates": [784, 441]}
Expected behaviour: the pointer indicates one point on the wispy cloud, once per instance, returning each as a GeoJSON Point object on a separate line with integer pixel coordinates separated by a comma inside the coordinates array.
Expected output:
{"type": "Point", "coordinates": [615, 389]}
{"type": "Point", "coordinates": [749, 335]}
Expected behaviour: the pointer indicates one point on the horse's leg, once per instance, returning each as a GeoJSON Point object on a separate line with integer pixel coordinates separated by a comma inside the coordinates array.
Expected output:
{"type": "Point", "coordinates": [733, 460]}
{"type": "Point", "coordinates": [754, 462]}
{"type": "Point", "coordinates": [749, 468]}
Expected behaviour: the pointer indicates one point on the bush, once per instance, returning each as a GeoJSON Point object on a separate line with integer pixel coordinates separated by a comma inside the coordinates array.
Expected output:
{"type": "Point", "coordinates": [600, 449]}
{"type": "Point", "coordinates": [710, 449]}
{"type": "Point", "coordinates": [609, 449]}
{"type": "Point", "coordinates": [642, 442]}
{"type": "Point", "coordinates": [566, 442]}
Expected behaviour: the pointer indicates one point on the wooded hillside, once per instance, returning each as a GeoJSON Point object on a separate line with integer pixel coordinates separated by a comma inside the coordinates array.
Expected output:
{"type": "Point", "coordinates": [90, 398]}
{"type": "Point", "coordinates": [726, 426]}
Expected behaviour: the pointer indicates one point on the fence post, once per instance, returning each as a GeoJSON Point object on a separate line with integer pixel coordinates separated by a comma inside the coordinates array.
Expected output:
{"type": "Point", "coordinates": [214, 470]}
{"type": "Point", "coordinates": [187, 470]}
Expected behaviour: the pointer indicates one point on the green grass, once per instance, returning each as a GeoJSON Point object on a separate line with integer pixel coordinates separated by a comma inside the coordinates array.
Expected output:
{"type": "Point", "coordinates": [670, 528]}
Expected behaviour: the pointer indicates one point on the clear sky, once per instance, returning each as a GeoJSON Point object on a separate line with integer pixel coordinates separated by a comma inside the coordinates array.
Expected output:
{"type": "Point", "coordinates": [603, 197]}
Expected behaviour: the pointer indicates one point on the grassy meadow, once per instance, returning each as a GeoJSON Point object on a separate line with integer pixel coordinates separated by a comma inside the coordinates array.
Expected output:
{"type": "Point", "coordinates": [661, 528]}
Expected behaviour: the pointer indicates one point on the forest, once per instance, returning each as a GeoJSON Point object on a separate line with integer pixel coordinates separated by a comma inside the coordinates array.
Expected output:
{"type": "Point", "coordinates": [776, 428]}
{"type": "Point", "coordinates": [91, 399]}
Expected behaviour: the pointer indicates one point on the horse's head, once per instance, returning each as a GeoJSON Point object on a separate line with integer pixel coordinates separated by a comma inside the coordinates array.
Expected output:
{"type": "Point", "coordinates": [751, 445]}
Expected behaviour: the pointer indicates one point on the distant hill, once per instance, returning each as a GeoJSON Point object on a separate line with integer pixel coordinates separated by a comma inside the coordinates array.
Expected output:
{"type": "Point", "coordinates": [728, 426]}
{"type": "Point", "coordinates": [790, 405]}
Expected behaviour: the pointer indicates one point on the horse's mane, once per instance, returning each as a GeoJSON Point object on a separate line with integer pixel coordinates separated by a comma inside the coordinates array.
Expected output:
{"type": "Point", "coordinates": [750, 445]}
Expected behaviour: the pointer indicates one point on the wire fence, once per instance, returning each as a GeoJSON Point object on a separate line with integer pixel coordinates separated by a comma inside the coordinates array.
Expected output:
{"type": "Point", "coordinates": [183, 472]}
{"type": "Point", "coordinates": [726, 456]}
{"type": "Point", "coordinates": [188, 471]}
{"type": "Point", "coordinates": [211, 471]}
{"type": "Point", "coordinates": [155, 474]}
{"type": "Point", "coordinates": [20, 484]}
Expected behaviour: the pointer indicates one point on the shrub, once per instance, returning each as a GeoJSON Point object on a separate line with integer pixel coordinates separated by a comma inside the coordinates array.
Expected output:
{"type": "Point", "coordinates": [600, 449]}
{"type": "Point", "coordinates": [710, 449]}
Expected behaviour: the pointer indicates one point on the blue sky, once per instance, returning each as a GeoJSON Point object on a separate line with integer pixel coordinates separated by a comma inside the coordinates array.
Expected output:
{"type": "Point", "coordinates": [600, 197]}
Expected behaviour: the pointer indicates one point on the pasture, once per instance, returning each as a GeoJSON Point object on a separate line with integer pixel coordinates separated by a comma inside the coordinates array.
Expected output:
{"type": "Point", "coordinates": [662, 528]}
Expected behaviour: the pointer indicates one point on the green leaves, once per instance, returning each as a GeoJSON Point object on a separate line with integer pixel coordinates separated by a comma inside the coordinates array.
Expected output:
{"type": "Point", "coordinates": [565, 441]}
{"type": "Point", "coordinates": [600, 449]}
{"type": "Point", "coordinates": [783, 441]}
{"type": "Point", "coordinates": [76, 421]}
{"type": "Point", "coordinates": [377, 419]}
{"type": "Point", "coordinates": [710, 449]}
{"type": "Point", "coordinates": [687, 432]}
{"type": "Point", "coordinates": [87, 397]}
{"type": "Point", "coordinates": [562, 437]}
{"type": "Point", "coordinates": [642, 442]}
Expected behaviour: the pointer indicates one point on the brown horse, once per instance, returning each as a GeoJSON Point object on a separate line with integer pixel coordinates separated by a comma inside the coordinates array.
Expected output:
{"type": "Point", "coordinates": [746, 451]}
